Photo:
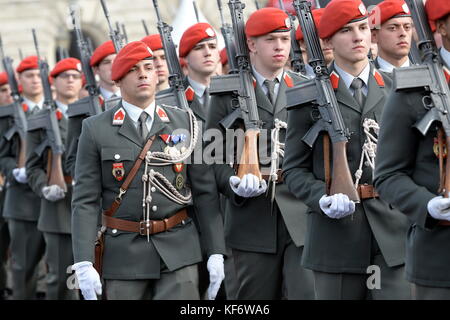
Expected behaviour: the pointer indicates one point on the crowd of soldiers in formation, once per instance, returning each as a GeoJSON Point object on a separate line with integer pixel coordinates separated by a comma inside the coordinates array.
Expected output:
{"type": "Point", "coordinates": [215, 231]}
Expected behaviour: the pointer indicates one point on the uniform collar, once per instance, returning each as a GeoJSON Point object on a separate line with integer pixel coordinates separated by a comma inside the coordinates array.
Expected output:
{"type": "Point", "coordinates": [31, 104]}
{"type": "Point", "coordinates": [63, 107]}
{"type": "Point", "coordinates": [445, 55]}
{"type": "Point", "coordinates": [260, 79]}
{"type": "Point", "coordinates": [388, 67]}
{"type": "Point", "coordinates": [134, 112]}
{"type": "Point", "coordinates": [199, 88]}
{"type": "Point", "coordinates": [107, 94]}
{"type": "Point", "coordinates": [348, 78]}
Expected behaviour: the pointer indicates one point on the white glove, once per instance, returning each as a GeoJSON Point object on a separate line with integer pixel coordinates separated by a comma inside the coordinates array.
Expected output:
{"type": "Point", "coordinates": [216, 274]}
{"type": "Point", "coordinates": [20, 174]}
{"type": "Point", "coordinates": [250, 186]}
{"type": "Point", "coordinates": [53, 193]}
{"type": "Point", "coordinates": [439, 208]}
{"type": "Point", "coordinates": [336, 206]}
{"type": "Point", "coordinates": [88, 280]}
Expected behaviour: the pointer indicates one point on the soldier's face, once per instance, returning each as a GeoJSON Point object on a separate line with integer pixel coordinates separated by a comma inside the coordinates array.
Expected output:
{"type": "Point", "coordinates": [31, 82]}
{"type": "Point", "coordinates": [159, 60]}
{"type": "Point", "coordinates": [139, 84]}
{"type": "Point", "coordinates": [103, 70]}
{"type": "Point", "coordinates": [270, 51]}
{"type": "Point", "coordinates": [326, 50]}
{"type": "Point", "coordinates": [5, 95]}
{"type": "Point", "coordinates": [352, 42]}
{"type": "Point", "coordinates": [68, 84]}
{"type": "Point", "coordinates": [203, 58]}
{"type": "Point", "coordinates": [394, 38]}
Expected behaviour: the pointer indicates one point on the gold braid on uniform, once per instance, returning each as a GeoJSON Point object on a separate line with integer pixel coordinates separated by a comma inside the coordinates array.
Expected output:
{"type": "Point", "coordinates": [369, 149]}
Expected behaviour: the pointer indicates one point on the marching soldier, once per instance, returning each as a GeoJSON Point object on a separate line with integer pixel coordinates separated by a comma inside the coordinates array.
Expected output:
{"type": "Point", "coordinates": [344, 238]}
{"type": "Point", "coordinates": [392, 27]}
{"type": "Point", "coordinates": [266, 234]}
{"type": "Point", "coordinates": [101, 62]}
{"type": "Point", "coordinates": [154, 42]}
{"type": "Point", "coordinates": [21, 203]}
{"type": "Point", "coordinates": [55, 207]}
{"type": "Point", "coordinates": [327, 52]}
{"type": "Point", "coordinates": [411, 183]}
{"type": "Point", "coordinates": [151, 246]}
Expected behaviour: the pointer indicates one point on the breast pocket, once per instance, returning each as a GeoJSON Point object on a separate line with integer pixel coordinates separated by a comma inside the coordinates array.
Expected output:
{"type": "Point", "coordinates": [116, 164]}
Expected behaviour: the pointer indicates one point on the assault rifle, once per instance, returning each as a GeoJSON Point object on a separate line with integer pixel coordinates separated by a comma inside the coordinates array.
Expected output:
{"type": "Point", "coordinates": [228, 37]}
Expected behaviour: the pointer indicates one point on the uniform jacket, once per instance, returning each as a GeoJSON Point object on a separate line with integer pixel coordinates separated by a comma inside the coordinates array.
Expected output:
{"type": "Point", "coordinates": [20, 201]}
{"type": "Point", "coordinates": [342, 245]}
{"type": "Point", "coordinates": [128, 255]}
{"type": "Point", "coordinates": [54, 216]}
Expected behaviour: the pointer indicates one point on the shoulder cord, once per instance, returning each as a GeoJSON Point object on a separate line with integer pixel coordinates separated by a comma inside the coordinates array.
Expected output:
{"type": "Point", "coordinates": [369, 149]}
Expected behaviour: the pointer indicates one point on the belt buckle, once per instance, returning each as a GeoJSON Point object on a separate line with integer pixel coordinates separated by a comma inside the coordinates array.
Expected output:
{"type": "Point", "coordinates": [145, 230]}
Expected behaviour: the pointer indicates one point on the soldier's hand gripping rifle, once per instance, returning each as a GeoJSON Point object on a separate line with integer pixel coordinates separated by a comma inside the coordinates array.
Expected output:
{"type": "Point", "coordinates": [89, 105]}
{"type": "Point", "coordinates": [177, 97]}
{"type": "Point", "coordinates": [228, 37]}
{"type": "Point", "coordinates": [297, 63]}
{"type": "Point", "coordinates": [249, 160]}
{"type": "Point", "coordinates": [431, 75]}
{"type": "Point", "coordinates": [14, 110]}
{"type": "Point", "coordinates": [47, 121]}
{"type": "Point", "coordinates": [320, 93]}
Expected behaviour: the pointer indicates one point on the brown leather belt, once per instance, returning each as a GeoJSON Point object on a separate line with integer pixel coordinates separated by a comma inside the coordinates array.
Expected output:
{"type": "Point", "coordinates": [279, 176]}
{"type": "Point", "coordinates": [444, 223]}
{"type": "Point", "coordinates": [155, 226]}
{"type": "Point", "coordinates": [367, 191]}
{"type": "Point", "coordinates": [68, 180]}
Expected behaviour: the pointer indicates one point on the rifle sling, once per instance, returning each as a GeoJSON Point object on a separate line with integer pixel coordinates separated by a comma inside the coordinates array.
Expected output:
{"type": "Point", "coordinates": [137, 164]}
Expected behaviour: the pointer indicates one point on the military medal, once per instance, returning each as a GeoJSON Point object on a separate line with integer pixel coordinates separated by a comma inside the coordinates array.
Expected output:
{"type": "Point", "coordinates": [118, 171]}
{"type": "Point", "coordinates": [166, 138]}
{"type": "Point", "coordinates": [179, 179]}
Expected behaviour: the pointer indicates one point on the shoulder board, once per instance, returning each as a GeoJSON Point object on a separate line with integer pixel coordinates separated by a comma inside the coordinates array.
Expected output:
{"type": "Point", "coordinates": [189, 92]}
{"type": "Point", "coordinates": [118, 117]}
{"type": "Point", "coordinates": [447, 74]}
{"type": "Point", "coordinates": [378, 77]}
{"type": "Point", "coordinates": [334, 78]}
{"type": "Point", "coordinates": [288, 80]}
{"type": "Point", "coordinates": [162, 114]}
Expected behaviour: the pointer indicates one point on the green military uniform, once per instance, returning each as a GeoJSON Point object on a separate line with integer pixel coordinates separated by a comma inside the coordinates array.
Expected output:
{"type": "Point", "coordinates": [55, 217]}
{"type": "Point", "coordinates": [265, 244]}
{"type": "Point", "coordinates": [128, 255]}
{"type": "Point", "coordinates": [21, 210]}
{"type": "Point", "coordinates": [340, 251]}
{"type": "Point", "coordinates": [407, 177]}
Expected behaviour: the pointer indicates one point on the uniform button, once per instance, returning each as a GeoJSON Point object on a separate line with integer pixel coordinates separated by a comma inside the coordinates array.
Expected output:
{"type": "Point", "coordinates": [117, 156]}
{"type": "Point", "coordinates": [154, 208]}
{"type": "Point", "coordinates": [153, 189]}
{"type": "Point", "coordinates": [114, 231]}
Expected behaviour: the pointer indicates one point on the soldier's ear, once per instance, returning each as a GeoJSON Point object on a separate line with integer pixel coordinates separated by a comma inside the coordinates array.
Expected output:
{"type": "Point", "coordinates": [441, 27]}
{"type": "Point", "coordinates": [117, 83]}
{"type": "Point", "coordinates": [251, 44]}
{"type": "Point", "coordinates": [328, 43]}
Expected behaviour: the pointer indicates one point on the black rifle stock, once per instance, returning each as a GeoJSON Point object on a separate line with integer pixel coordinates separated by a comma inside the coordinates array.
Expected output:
{"type": "Point", "coordinates": [319, 91]}
{"type": "Point", "coordinates": [90, 105]}
{"type": "Point", "coordinates": [249, 160]}
{"type": "Point", "coordinates": [173, 64]}
{"type": "Point", "coordinates": [430, 74]}
{"type": "Point", "coordinates": [228, 37]}
{"type": "Point", "coordinates": [47, 120]}
{"type": "Point", "coordinates": [14, 110]}
{"type": "Point", "coordinates": [297, 63]}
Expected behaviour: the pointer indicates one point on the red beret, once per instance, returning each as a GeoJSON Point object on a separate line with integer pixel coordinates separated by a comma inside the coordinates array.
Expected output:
{"type": "Point", "coordinates": [338, 13]}
{"type": "Point", "coordinates": [267, 20]}
{"type": "Point", "coordinates": [153, 41]}
{"type": "Point", "coordinates": [437, 9]}
{"type": "Point", "coordinates": [3, 78]}
{"type": "Point", "coordinates": [30, 62]}
{"type": "Point", "coordinates": [223, 56]}
{"type": "Point", "coordinates": [102, 52]}
{"type": "Point", "coordinates": [66, 64]}
{"type": "Point", "coordinates": [386, 10]}
{"type": "Point", "coordinates": [193, 35]}
{"type": "Point", "coordinates": [128, 57]}
{"type": "Point", "coordinates": [317, 15]}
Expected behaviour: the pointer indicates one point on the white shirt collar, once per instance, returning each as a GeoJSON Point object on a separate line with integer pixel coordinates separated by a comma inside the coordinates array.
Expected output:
{"type": "Point", "coordinates": [445, 55]}
{"type": "Point", "coordinates": [106, 94]}
{"type": "Point", "coordinates": [348, 78]}
{"type": "Point", "coordinates": [388, 67]}
{"type": "Point", "coordinates": [31, 104]}
{"type": "Point", "coordinates": [134, 112]}
{"type": "Point", "coordinates": [63, 107]}
{"type": "Point", "coordinates": [198, 87]}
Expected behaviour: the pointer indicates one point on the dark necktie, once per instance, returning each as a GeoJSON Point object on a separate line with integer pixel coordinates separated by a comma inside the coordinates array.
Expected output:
{"type": "Point", "coordinates": [206, 98]}
{"type": "Point", "coordinates": [270, 84]}
{"type": "Point", "coordinates": [142, 125]}
{"type": "Point", "coordinates": [35, 109]}
{"type": "Point", "coordinates": [358, 94]}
